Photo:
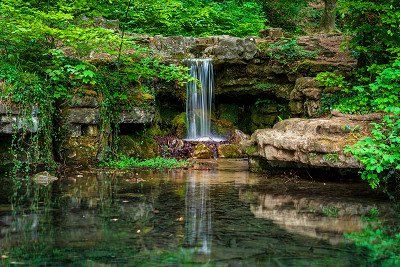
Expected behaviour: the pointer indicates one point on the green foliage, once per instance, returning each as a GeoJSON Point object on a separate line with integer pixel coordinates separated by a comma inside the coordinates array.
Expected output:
{"type": "Point", "coordinates": [195, 17]}
{"type": "Point", "coordinates": [285, 14]}
{"type": "Point", "coordinates": [331, 79]}
{"type": "Point", "coordinates": [380, 240]}
{"type": "Point", "coordinates": [165, 17]}
{"type": "Point", "coordinates": [331, 211]}
{"type": "Point", "coordinates": [286, 51]}
{"type": "Point", "coordinates": [380, 154]}
{"type": "Point", "coordinates": [155, 163]}
{"type": "Point", "coordinates": [380, 95]}
{"type": "Point", "coordinates": [374, 27]}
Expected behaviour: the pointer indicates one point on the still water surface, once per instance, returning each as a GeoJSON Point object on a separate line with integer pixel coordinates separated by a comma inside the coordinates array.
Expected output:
{"type": "Point", "coordinates": [105, 218]}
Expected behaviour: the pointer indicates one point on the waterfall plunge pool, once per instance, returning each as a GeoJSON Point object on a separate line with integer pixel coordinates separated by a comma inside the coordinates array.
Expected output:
{"type": "Point", "coordinates": [144, 218]}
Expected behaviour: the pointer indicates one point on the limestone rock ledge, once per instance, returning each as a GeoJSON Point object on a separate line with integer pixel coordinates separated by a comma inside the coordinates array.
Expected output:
{"type": "Point", "coordinates": [311, 142]}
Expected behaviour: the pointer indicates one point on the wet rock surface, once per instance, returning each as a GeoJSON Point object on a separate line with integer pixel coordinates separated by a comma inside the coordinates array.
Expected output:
{"type": "Point", "coordinates": [202, 151]}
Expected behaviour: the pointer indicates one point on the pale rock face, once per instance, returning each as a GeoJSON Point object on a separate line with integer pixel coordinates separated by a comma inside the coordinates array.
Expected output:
{"type": "Point", "coordinates": [314, 142]}
{"type": "Point", "coordinates": [44, 178]}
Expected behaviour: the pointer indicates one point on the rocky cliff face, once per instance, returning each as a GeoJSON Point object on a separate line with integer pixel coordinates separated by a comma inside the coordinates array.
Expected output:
{"type": "Point", "coordinates": [311, 142]}
{"type": "Point", "coordinates": [258, 79]}
{"type": "Point", "coordinates": [81, 119]}
{"type": "Point", "coordinates": [257, 83]}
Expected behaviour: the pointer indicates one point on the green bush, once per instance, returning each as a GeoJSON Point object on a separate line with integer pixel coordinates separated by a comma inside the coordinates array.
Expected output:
{"type": "Point", "coordinates": [286, 51]}
{"type": "Point", "coordinates": [380, 155]}
{"type": "Point", "coordinates": [378, 96]}
{"type": "Point", "coordinates": [154, 163]}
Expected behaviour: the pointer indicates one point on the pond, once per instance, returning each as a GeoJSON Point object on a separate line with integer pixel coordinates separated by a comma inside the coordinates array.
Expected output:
{"type": "Point", "coordinates": [141, 218]}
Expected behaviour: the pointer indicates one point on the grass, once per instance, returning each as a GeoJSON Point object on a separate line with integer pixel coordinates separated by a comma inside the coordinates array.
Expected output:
{"type": "Point", "coordinates": [124, 162]}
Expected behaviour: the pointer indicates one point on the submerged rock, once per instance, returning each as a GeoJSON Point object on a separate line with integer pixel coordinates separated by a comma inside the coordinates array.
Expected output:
{"type": "Point", "coordinates": [44, 178]}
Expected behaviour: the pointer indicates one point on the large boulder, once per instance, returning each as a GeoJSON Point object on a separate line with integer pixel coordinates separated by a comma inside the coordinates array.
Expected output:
{"type": "Point", "coordinates": [313, 142]}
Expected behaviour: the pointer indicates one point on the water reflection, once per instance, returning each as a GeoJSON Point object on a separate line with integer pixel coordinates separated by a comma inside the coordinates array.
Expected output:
{"type": "Point", "coordinates": [198, 226]}
{"type": "Point", "coordinates": [182, 217]}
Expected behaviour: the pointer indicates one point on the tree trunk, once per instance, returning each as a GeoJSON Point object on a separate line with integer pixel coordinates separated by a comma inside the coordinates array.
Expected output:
{"type": "Point", "coordinates": [329, 16]}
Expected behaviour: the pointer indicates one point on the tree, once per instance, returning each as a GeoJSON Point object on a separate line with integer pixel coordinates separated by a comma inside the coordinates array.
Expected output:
{"type": "Point", "coordinates": [329, 16]}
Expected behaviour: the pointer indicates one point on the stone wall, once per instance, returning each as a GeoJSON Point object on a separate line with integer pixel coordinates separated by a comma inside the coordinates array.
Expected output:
{"type": "Point", "coordinates": [79, 125]}
{"type": "Point", "coordinates": [81, 122]}
{"type": "Point", "coordinates": [12, 119]}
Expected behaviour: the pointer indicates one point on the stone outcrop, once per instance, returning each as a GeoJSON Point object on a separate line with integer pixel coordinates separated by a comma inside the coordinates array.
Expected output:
{"type": "Point", "coordinates": [13, 119]}
{"type": "Point", "coordinates": [252, 83]}
{"type": "Point", "coordinates": [244, 67]}
{"type": "Point", "coordinates": [305, 99]}
{"type": "Point", "coordinates": [310, 142]}
{"type": "Point", "coordinates": [221, 48]}
{"type": "Point", "coordinates": [82, 121]}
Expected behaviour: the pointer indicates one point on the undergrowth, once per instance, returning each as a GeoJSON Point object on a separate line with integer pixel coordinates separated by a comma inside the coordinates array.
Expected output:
{"type": "Point", "coordinates": [125, 162]}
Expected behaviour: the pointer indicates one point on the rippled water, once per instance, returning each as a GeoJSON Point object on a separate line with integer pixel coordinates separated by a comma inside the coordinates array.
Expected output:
{"type": "Point", "coordinates": [104, 218]}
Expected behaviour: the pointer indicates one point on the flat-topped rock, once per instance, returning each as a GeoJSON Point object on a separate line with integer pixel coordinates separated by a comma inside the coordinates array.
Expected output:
{"type": "Point", "coordinates": [314, 142]}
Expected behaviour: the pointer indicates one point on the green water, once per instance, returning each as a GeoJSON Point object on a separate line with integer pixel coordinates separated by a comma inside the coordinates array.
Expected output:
{"type": "Point", "coordinates": [217, 218]}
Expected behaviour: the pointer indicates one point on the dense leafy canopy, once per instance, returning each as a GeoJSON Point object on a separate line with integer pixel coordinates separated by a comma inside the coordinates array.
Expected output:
{"type": "Point", "coordinates": [51, 51]}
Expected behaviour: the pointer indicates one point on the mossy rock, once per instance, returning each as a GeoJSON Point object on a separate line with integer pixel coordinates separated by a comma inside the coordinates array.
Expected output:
{"type": "Point", "coordinates": [202, 151]}
{"type": "Point", "coordinates": [81, 150]}
{"type": "Point", "coordinates": [179, 125]}
{"type": "Point", "coordinates": [230, 151]}
{"type": "Point", "coordinates": [137, 146]}
{"type": "Point", "coordinates": [222, 127]}
{"type": "Point", "coordinates": [229, 112]}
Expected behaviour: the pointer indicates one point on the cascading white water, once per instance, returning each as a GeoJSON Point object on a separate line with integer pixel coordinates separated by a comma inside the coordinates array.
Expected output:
{"type": "Point", "coordinates": [199, 101]}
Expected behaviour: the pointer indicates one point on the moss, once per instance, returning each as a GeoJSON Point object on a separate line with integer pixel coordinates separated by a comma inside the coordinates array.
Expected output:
{"type": "Point", "coordinates": [202, 151]}
{"type": "Point", "coordinates": [179, 125]}
{"type": "Point", "coordinates": [251, 150]}
{"type": "Point", "coordinates": [222, 127]}
{"type": "Point", "coordinates": [331, 157]}
{"type": "Point", "coordinates": [81, 150]}
{"type": "Point", "coordinates": [229, 112]}
{"type": "Point", "coordinates": [229, 151]}
{"type": "Point", "coordinates": [138, 146]}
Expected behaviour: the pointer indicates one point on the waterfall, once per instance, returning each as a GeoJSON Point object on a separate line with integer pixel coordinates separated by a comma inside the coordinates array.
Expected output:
{"type": "Point", "coordinates": [199, 101]}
